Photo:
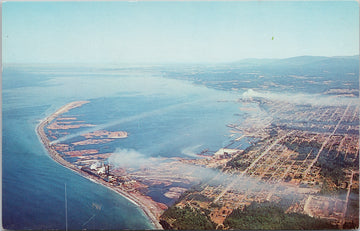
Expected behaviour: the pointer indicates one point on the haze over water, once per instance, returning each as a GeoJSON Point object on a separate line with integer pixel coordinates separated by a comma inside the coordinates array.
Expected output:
{"type": "Point", "coordinates": [164, 117]}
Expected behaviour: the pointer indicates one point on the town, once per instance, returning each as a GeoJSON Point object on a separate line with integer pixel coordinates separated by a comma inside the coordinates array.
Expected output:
{"type": "Point", "coordinates": [308, 152]}
{"type": "Point", "coordinates": [304, 157]}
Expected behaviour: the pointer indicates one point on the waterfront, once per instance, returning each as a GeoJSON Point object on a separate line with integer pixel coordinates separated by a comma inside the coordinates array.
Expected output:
{"type": "Point", "coordinates": [189, 115]}
{"type": "Point", "coordinates": [148, 207]}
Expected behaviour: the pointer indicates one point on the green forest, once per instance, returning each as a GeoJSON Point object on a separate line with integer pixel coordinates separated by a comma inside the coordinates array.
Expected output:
{"type": "Point", "coordinates": [269, 215]}
{"type": "Point", "coordinates": [185, 218]}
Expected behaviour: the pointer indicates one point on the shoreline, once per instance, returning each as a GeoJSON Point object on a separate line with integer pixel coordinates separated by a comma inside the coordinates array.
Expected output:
{"type": "Point", "coordinates": [145, 203]}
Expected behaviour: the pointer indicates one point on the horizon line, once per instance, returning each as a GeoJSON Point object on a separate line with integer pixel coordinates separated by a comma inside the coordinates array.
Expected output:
{"type": "Point", "coordinates": [168, 62]}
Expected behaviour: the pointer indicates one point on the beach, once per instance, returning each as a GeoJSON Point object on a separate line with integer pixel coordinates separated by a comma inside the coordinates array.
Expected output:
{"type": "Point", "coordinates": [151, 209]}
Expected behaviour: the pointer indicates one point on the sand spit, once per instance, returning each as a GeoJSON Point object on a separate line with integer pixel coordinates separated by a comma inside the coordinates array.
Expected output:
{"type": "Point", "coordinates": [151, 208]}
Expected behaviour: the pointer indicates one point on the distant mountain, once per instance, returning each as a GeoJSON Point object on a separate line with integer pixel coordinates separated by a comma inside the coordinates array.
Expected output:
{"type": "Point", "coordinates": [304, 65]}
{"type": "Point", "coordinates": [299, 60]}
{"type": "Point", "coordinates": [310, 74]}
{"type": "Point", "coordinates": [320, 61]}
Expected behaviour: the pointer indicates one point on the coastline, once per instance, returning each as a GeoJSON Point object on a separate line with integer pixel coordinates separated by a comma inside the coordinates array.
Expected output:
{"type": "Point", "coordinates": [150, 208]}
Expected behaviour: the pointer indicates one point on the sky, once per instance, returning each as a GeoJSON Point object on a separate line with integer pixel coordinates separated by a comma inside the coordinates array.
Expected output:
{"type": "Point", "coordinates": [173, 32]}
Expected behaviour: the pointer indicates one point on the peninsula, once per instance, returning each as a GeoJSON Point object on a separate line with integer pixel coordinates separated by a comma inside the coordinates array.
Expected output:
{"type": "Point", "coordinates": [152, 209]}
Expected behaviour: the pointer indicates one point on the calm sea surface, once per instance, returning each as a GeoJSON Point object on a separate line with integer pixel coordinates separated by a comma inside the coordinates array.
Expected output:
{"type": "Point", "coordinates": [164, 117]}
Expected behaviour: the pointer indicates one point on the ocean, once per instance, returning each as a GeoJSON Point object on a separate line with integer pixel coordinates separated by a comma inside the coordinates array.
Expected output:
{"type": "Point", "coordinates": [164, 118]}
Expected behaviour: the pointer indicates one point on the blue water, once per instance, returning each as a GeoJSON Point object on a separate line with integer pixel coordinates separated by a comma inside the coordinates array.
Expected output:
{"type": "Point", "coordinates": [164, 117]}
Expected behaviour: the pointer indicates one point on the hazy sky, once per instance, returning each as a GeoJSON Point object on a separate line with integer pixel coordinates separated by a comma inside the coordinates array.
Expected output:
{"type": "Point", "coordinates": [117, 32]}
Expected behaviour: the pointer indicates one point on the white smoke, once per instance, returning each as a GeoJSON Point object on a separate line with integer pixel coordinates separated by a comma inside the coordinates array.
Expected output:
{"type": "Point", "coordinates": [302, 98]}
{"type": "Point", "coordinates": [128, 158]}
{"type": "Point", "coordinates": [191, 151]}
